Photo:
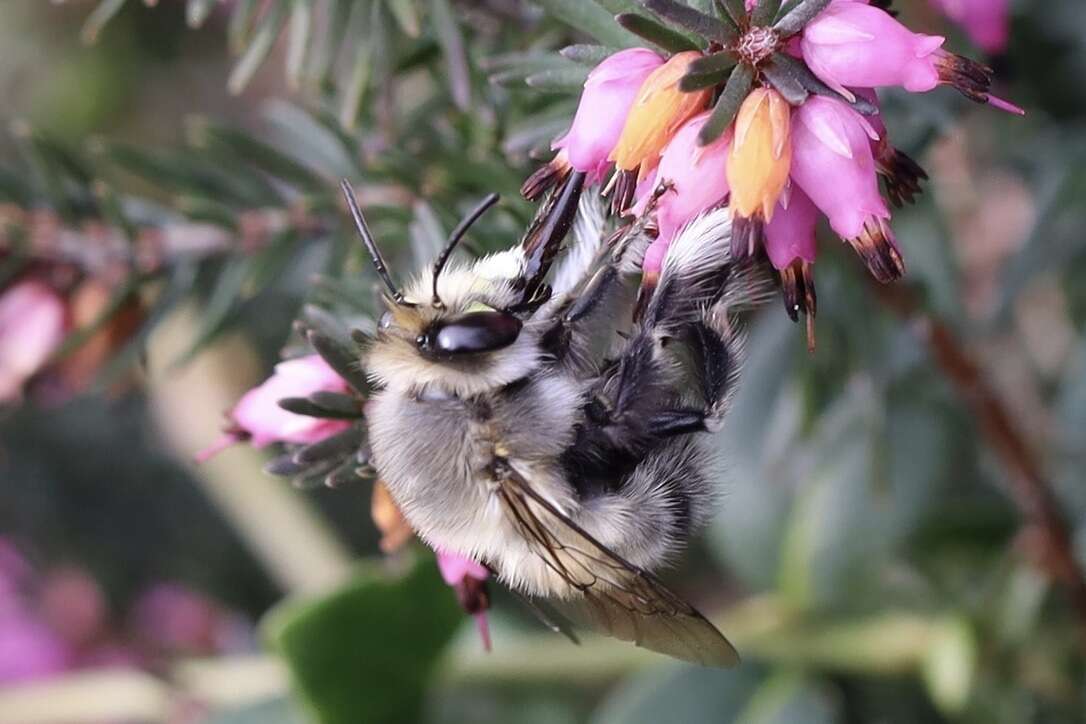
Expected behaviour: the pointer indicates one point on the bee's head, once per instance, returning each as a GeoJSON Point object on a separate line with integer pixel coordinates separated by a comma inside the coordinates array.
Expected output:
{"type": "Point", "coordinates": [471, 341]}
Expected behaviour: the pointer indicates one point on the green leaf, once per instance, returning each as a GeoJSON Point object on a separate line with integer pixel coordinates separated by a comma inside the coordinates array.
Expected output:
{"type": "Point", "coordinates": [241, 25]}
{"type": "Point", "coordinates": [764, 12]}
{"type": "Point", "coordinates": [227, 141]}
{"type": "Point", "coordinates": [366, 652]}
{"type": "Point", "coordinates": [259, 47]}
{"type": "Point", "coordinates": [197, 11]}
{"type": "Point", "coordinates": [705, 26]}
{"type": "Point", "coordinates": [666, 38]}
{"type": "Point", "coordinates": [298, 40]}
{"type": "Point", "coordinates": [224, 302]}
{"type": "Point", "coordinates": [798, 70]}
{"type": "Point", "coordinates": [784, 80]}
{"type": "Point", "coordinates": [727, 106]}
{"type": "Point", "coordinates": [452, 45]}
{"type": "Point", "coordinates": [407, 16]}
{"type": "Point", "coordinates": [708, 71]}
{"type": "Point", "coordinates": [559, 79]}
{"type": "Point", "coordinates": [789, 698]}
{"type": "Point", "coordinates": [734, 9]}
{"type": "Point", "coordinates": [586, 54]}
{"type": "Point", "coordinates": [368, 49]}
{"type": "Point", "coordinates": [679, 694]}
{"type": "Point", "coordinates": [950, 668]}
{"type": "Point", "coordinates": [102, 14]}
{"type": "Point", "coordinates": [803, 13]}
{"type": "Point", "coordinates": [590, 18]}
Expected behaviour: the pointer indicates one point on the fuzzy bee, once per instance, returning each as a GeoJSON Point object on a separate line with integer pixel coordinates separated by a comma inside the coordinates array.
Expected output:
{"type": "Point", "coordinates": [534, 426]}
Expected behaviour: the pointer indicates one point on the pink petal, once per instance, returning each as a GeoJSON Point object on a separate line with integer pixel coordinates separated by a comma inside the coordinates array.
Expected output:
{"type": "Point", "coordinates": [455, 568]}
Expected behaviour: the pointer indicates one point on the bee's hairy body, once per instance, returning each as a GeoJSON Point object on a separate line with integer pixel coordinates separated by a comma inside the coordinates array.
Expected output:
{"type": "Point", "coordinates": [598, 415]}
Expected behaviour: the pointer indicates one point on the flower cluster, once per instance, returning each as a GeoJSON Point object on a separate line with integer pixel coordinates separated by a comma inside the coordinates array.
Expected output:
{"type": "Point", "coordinates": [59, 620]}
{"type": "Point", "coordinates": [794, 133]}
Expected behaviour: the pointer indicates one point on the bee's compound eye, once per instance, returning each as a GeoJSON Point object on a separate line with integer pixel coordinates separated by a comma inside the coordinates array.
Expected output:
{"type": "Point", "coordinates": [470, 334]}
{"type": "Point", "coordinates": [385, 321]}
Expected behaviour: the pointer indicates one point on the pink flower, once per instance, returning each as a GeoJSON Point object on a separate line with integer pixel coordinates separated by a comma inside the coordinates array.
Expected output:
{"type": "Point", "coordinates": [832, 162]}
{"type": "Point", "coordinates": [32, 327]}
{"type": "Point", "coordinates": [258, 418]}
{"type": "Point", "coordinates": [790, 235]}
{"type": "Point", "coordinates": [691, 180]}
{"type": "Point", "coordinates": [468, 579]}
{"type": "Point", "coordinates": [833, 142]}
{"type": "Point", "coordinates": [986, 22]}
{"type": "Point", "coordinates": [28, 648]}
{"type": "Point", "coordinates": [608, 96]}
{"type": "Point", "coordinates": [854, 44]}
{"type": "Point", "coordinates": [172, 618]}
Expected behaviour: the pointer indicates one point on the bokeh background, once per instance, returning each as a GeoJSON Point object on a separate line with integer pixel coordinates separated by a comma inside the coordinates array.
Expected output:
{"type": "Point", "coordinates": [903, 535]}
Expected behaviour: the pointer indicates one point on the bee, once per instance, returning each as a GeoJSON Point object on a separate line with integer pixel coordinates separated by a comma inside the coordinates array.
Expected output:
{"type": "Point", "coordinates": [533, 425]}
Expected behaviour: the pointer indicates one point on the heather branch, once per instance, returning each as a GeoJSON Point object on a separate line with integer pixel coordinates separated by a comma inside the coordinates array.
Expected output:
{"type": "Point", "coordinates": [1031, 491]}
{"type": "Point", "coordinates": [102, 249]}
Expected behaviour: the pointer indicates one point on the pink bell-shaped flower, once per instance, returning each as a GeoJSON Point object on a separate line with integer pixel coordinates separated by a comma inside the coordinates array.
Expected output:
{"type": "Point", "coordinates": [790, 245]}
{"type": "Point", "coordinates": [258, 418]}
{"type": "Point", "coordinates": [854, 45]}
{"type": "Point", "coordinates": [468, 579]}
{"type": "Point", "coordinates": [608, 95]}
{"type": "Point", "coordinates": [831, 141]}
{"type": "Point", "coordinates": [790, 235]}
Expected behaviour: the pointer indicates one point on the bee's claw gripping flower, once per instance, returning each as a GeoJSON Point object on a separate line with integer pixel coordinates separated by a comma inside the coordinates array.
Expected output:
{"type": "Point", "coordinates": [657, 113]}
{"type": "Point", "coordinates": [609, 92]}
{"type": "Point", "coordinates": [758, 165]}
{"type": "Point", "coordinates": [468, 579]}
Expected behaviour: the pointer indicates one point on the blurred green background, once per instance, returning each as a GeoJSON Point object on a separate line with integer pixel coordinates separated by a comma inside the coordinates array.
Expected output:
{"type": "Point", "coordinates": [875, 558]}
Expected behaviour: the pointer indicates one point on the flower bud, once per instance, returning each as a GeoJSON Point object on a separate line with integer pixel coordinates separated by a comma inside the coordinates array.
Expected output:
{"type": "Point", "coordinates": [758, 164]}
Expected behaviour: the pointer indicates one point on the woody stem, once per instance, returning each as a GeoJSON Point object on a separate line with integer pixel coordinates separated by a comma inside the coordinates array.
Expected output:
{"type": "Point", "coordinates": [1030, 489]}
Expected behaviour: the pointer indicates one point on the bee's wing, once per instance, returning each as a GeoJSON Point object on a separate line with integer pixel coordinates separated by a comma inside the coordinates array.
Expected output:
{"type": "Point", "coordinates": [616, 597]}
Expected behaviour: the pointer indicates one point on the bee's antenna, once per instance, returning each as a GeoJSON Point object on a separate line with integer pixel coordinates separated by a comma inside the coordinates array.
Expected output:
{"type": "Point", "coordinates": [454, 239]}
{"type": "Point", "coordinates": [371, 245]}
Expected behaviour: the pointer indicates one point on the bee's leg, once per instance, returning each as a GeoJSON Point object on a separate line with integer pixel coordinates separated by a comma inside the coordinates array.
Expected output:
{"type": "Point", "coordinates": [715, 347]}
